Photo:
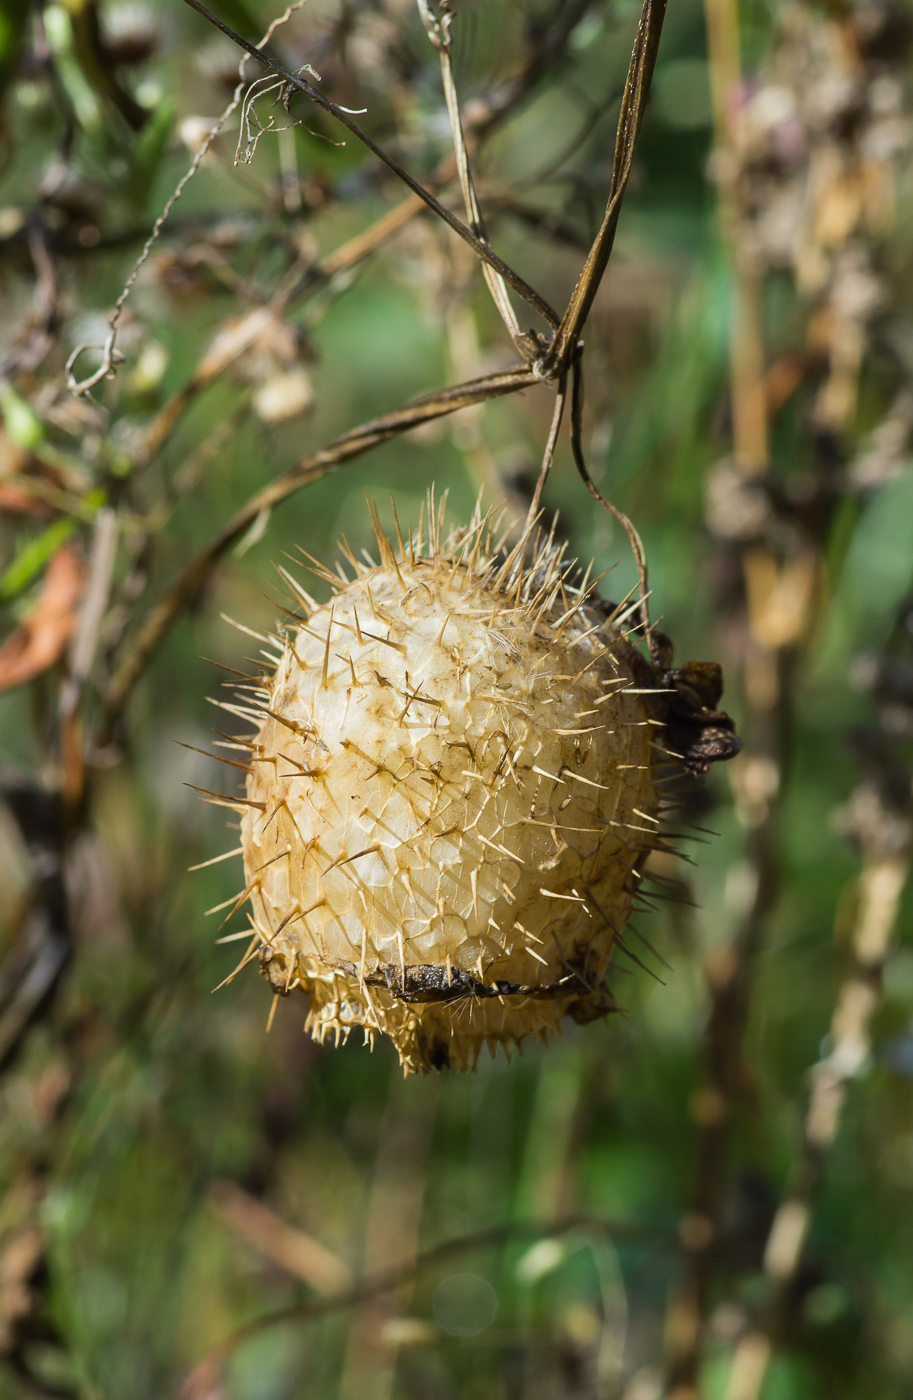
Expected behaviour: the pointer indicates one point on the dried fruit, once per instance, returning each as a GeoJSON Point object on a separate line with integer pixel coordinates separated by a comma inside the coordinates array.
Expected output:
{"type": "Point", "coordinates": [454, 784]}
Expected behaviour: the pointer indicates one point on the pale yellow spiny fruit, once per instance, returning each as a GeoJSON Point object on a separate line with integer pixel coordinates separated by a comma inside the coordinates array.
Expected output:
{"type": "Point", "coordinates": [453, 788]}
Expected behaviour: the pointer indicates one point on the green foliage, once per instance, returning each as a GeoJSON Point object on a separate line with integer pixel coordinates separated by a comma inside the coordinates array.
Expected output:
{"type": "Point", "coordinates": [585, 1151]}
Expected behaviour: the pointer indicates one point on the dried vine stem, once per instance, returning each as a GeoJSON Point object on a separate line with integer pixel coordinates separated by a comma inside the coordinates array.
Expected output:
{"type": "Point", "coordinates": [310, 468]}
{"type": "Point", "coordinates": [564, 347]}
{"type": "Point", "coordinates": [885, 870]}
{"type": "Point", "coordinates": [547, 459]}
{"type": "Point", "coordinates": [636, 543]}
{"type": "Point", "coordinates": [565, 352]}
{"type": "Point", "coordinates": [299, 84]}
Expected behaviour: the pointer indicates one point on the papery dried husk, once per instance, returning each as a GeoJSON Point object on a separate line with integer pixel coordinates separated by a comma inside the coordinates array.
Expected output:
{"type": "Point", "coordinates": [455, 782]}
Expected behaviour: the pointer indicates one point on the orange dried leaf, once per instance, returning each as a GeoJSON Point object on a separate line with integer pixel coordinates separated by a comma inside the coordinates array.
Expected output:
{"type": "Point", "coordinates": [41, 636]}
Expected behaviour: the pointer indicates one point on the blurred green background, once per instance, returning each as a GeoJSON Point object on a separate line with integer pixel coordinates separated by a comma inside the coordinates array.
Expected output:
{"type": "Point", "coordinates": [182, 1172]}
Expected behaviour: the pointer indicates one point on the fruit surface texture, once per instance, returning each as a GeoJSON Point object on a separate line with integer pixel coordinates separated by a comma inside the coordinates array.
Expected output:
{"type": "Point", "coordinates": [453, 791]}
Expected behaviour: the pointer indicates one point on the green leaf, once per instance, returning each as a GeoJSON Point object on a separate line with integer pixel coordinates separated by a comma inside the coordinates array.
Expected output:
{"type": "Point", "coordinates": [879, 563]}
{"type": "Point", "coordinates": [148, 152]}
{"type": "Point", "coordinates": [22, 423]}
{"type": "Point", "coordinates": [59, 29]}
{"type": "Point", "coordinates": [13, 16]}
{"type": "Point", "coordinates": [240, 17]}
{"type": "Point", "coordinates": [33, 556]}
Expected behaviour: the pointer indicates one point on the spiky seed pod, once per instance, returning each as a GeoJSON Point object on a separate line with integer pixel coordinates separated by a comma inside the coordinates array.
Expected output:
{"type": "Point", "coordinates": [453, 790]}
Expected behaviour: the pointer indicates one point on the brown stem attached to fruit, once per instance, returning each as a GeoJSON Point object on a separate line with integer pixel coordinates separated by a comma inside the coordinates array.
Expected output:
{"type": "Point", "coordinates": [565, 346]}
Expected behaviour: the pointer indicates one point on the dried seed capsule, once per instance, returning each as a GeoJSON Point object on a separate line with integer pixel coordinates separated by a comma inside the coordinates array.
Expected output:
{"type": "Point", "coordinates": [454, 785]}
{"type": "Point", "coordinates": [452, 793]}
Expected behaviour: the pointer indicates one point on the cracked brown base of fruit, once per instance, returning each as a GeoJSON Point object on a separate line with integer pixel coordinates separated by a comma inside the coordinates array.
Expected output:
{"type": "Point", "coordinates": [439, 1017]}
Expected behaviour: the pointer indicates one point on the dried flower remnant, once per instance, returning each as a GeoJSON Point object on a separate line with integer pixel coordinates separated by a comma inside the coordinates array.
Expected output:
{"type": "Point", "coordinates": [455, 781]}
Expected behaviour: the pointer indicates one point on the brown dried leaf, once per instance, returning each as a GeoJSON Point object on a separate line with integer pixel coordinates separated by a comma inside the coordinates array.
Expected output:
{"type": "Point", "coordinates": [41, 636]}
